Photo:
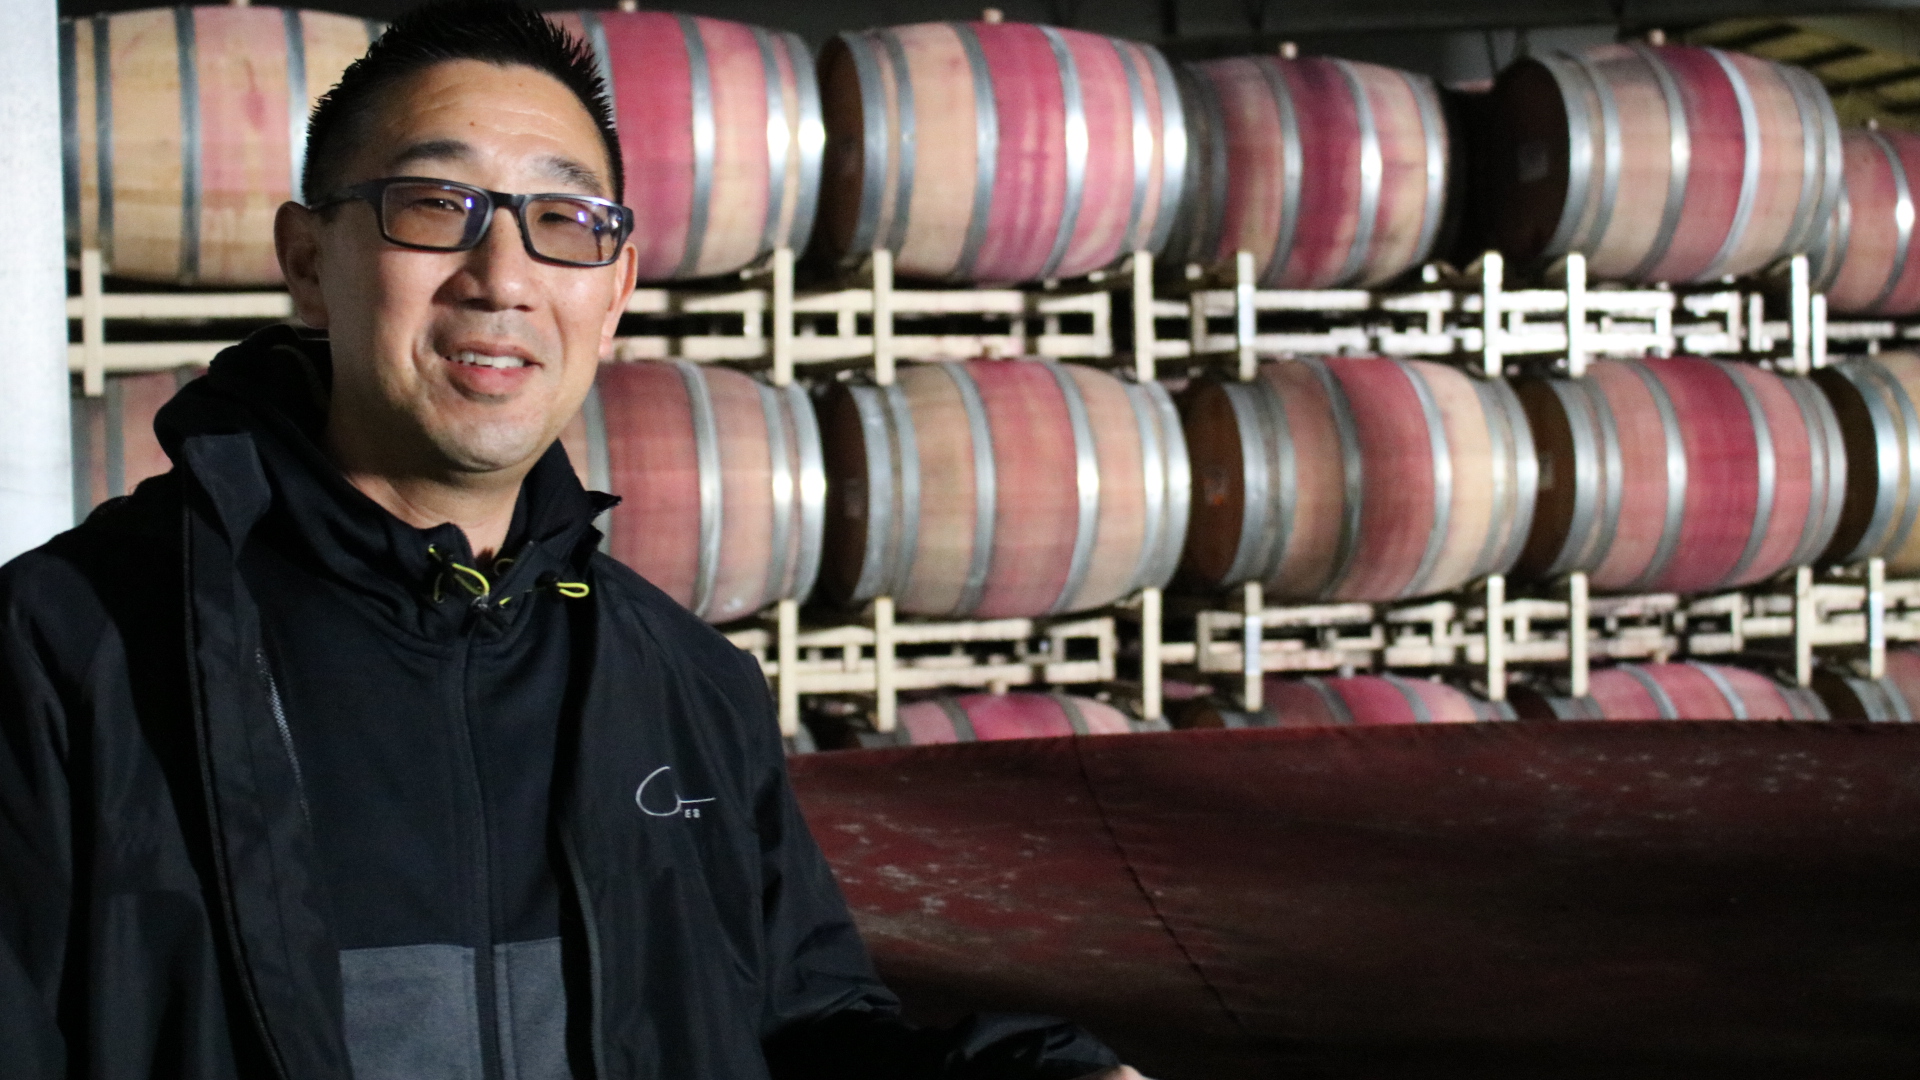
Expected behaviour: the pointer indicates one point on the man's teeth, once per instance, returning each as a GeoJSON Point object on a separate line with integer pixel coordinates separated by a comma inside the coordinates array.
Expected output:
{"type": "Point", "coordinates": [487, 361]}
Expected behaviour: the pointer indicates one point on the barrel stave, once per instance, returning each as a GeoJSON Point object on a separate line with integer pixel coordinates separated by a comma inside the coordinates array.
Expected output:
{"type": "Point", "coordinates": [1874, 400]}
{"type": "Point", "coordinates": [997, 152]}
{"type": "Point", "coordinates": [952, 556]}
{"type": "Point", "coordinates": [188, 129]}
{"type": "Point", "coordinates": [996, 489]}
{"type": "Point", "coordinates": [1664, 163]}
{"type": "Point", "coordinates": [1356, 479]}
{"type": "Point", "coordinates": [990, 717]}
{"type": "Point", "coordinates": [244, 146]}
{"type": "Point", "coordinates": [1331, 172]}
{"type": "Point", "coordinates": [1868, 266]}
{"type": "Point", "coordinates": [1682, 475]}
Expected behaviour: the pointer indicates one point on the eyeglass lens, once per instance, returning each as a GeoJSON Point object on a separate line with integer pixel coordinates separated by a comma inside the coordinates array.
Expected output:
{"type": "Point", "coordinates": [449, 218]}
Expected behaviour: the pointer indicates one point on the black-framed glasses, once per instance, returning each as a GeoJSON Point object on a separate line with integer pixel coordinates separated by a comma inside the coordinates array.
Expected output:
{"type": "Point", "coordinates": [425, 214]}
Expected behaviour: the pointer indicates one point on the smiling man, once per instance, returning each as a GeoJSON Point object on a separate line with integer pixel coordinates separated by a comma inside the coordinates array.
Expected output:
{"type": "Point", "coordinates": [340, 752]}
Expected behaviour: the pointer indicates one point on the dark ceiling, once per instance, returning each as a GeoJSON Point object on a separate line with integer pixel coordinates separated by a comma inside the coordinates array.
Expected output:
{"type": "Point", "coordinates": [1196, 21]}
{"type": "Point", "coordinates": [1450, 40]}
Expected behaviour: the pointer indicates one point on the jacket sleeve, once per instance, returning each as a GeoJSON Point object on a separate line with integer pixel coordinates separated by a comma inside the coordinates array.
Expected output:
{"type": "Point", "coordinates": [828, 1016]}
{"type": "Point", "coordinates": [36, 868]}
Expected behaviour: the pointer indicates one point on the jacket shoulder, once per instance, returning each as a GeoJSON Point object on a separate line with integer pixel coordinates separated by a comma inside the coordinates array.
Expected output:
{"type": "Point", "coordinates": [122, 558]}
{"type": "Point", "coordinates": [685, 640]}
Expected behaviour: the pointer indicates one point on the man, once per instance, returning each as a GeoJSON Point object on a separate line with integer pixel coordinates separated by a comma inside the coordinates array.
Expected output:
{"type": "Point", "coordinates": [339, 751]}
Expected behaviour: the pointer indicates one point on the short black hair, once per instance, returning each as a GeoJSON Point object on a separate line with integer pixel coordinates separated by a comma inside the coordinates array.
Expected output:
{"type": "Point", "coordinates": [493, 31]}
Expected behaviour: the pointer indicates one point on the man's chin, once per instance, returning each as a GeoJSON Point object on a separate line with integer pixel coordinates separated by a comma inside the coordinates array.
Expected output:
{"type": "Point", "coordinates": [494, 451]}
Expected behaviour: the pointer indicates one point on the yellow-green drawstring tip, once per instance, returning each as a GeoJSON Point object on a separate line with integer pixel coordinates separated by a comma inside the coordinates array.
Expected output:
{"type": "Point", "coordinates": [572, 590]}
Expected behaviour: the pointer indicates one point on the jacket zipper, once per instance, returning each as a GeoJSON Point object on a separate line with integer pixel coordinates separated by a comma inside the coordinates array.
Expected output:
{"type": "Point", "coordinates": [286, 732]}
{"type": "Point", "coordinates": [480, 889]}
{"type": "Point", "coordinates": [594, 973]}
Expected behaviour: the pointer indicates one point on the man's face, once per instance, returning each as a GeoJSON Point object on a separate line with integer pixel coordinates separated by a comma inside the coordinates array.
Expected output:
{"type": "Point", "coordinates": [458, 362]}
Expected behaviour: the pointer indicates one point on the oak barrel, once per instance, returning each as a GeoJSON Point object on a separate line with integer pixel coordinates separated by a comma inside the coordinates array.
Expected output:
{"type": "Point", "coordinates": [1685, 691]}
{"type": "Point", "coordinates": [720, 480]}
{"type": "Point", "coordinates": [185, 129]}
{"type": "Point", "coordinates": [997, 152]}
{"type": "Point", "coordinates": [1330, 172]}
{"type": "Point", "coordinates": [1894, 697]}
{"type": "Point", "coordinates": [1681, 475]}
{"type": "Point", "coordinates": [114, 446]}
{"type": "Point", "coordinates": [720, 135]}
{"type": "Point", "coordinates": [1660, 163]}
{"type": "Point", "coordinates": [1875, 399]}
{"type": "Point", "coordinates": [1001, 488]}
{"type": "Point", "coordinates": [985, 717]}
{"type": "Point", "coordinates": [1865, 264]}
{"type": "Point", "coordinates": [1356, 479]}
{"type": "Point", "coordinates": [1358, 700]}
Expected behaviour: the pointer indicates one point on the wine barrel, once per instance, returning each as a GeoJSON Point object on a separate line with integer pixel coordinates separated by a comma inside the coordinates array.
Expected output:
{"type": "Point", "coordinates": [185, 129]}
{"type": "Point", "coordinates": [1892, 698]}
{"type": "Point", "coordinates": [114, 447]}
{"type": "Point", "coordinates": [997, 152]}
{"type": "Point", "coordinates": [1001, 488]}
{"type": "Point", "coordinates": [987, 717]}
{"type": "Point", "coordinates": [1681, 475]}
{"type": "Point", "coordinates": [1358, 700]}
{"type": "Point", "coordinates": [1356, 479]}
{"type": "Point", "coordinates": [1330, 172]}
{"type": "Point", "coordinates": [1875, 399]}
{"type": "Point", "coordinates": [1864, 264]}
{"type": "Point", "coordinates": [1661, 163]}
{"type": "Point", "coordinates": [720, 136]}
{"type": "Point", "coordinates": [720, 479]}
{"type": "Point", "coordinates": [1675, 692]}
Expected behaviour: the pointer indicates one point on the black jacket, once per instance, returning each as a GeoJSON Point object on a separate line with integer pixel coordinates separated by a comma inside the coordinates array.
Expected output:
{"type": "Point", "coordinates": [165, 909]}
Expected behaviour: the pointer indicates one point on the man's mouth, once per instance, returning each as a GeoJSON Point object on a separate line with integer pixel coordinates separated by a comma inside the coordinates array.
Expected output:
{"type": "Point", "coordinates": [487, 360]}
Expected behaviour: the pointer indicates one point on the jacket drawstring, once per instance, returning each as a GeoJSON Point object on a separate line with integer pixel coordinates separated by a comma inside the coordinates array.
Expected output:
{"type": "Point", "coordinates": [480, 587]}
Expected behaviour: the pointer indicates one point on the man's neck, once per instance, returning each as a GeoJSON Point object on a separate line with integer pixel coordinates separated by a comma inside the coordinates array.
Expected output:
{"type": "Point", "coordinates": [480, 504]}
{"type": "Point", "coordinates": [483, 513]}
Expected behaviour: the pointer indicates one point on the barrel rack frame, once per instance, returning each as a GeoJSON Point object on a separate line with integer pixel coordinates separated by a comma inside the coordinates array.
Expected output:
{"type": "Point", "coordinates": [1470, 318]}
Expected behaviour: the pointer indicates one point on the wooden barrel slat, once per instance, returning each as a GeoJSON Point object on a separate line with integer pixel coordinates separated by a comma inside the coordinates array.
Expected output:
{"type": "Point", "coordinates": [114, 445]}
{"type": "Point", "coordinates": [997, 152]}
{"type": "Point", "coordinates": [1866, 264]}
{"type": "Point", "coordinates": [1893, 698]}
{"type": "Point", "coordinates": [1001, 488]}
{"type": "Point", "coordinates": [1668, 163]}
{"type": "Point", "coordinates": [1329, 172]}
{"type": "Point", "coordinates": [989, 717]}
{"type": "Point", "coordinates": [1682, 691]}
{"type": "Point", "coordinates": [720, 136]}
{"type": "Point", "coordinates": [1875, 400]}
{"type": "Point", "coordinates": [187, 129]}
{"type": "Point", "coordinates": [1356, 479]}
{"type": "Point", "coordinates": [1681, 475]}
{"type": "Point", "coordinates": [1359, 701]}
{"type": "Point", "coordinates": [200, 135]}
{"type": "Point", "coordinates": [720, 481]}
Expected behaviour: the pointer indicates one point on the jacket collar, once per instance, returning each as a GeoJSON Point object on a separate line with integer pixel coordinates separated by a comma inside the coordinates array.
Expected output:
{"type": "Point", "coordinates": [270, 394]}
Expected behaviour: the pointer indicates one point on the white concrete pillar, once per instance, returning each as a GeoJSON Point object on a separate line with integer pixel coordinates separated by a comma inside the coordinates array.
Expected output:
{"type": "Point", "coordinates": [36, 451]}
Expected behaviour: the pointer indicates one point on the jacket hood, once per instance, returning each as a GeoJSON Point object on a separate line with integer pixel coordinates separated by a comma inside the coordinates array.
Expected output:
{"type": "Point", "coordinates": [274, 388]}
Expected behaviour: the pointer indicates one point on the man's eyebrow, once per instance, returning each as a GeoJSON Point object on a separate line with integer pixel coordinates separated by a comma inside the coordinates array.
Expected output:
{"type": "Point", "coordinates": [432, 150]}
{"type": "Point", "coordinates": [563, 169]}
{"type": "Point", "coordinates": [573, 172]}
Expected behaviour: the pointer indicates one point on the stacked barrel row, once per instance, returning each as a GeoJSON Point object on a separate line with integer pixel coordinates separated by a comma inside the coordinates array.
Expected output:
{"type": "Point", "coordinates": [1662, 691]}
{"type": "Point", "coordinates": [1001, 488]}
{"type": "Point", "coordinates": [1004, 152]}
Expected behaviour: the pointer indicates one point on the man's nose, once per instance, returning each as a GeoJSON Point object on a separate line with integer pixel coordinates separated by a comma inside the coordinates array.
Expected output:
{"type": "Point", "coordinates": [499, 265]}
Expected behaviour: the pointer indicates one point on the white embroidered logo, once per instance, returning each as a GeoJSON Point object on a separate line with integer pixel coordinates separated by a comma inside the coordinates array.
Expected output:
{"type": "Point", "coordinates": [682, 807]}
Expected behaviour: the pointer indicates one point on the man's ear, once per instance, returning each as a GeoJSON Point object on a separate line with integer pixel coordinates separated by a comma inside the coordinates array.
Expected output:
{"type": "Point", "coordinates": [629, 265]}
{"type": "Point", "coordinates": [296, 241]}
